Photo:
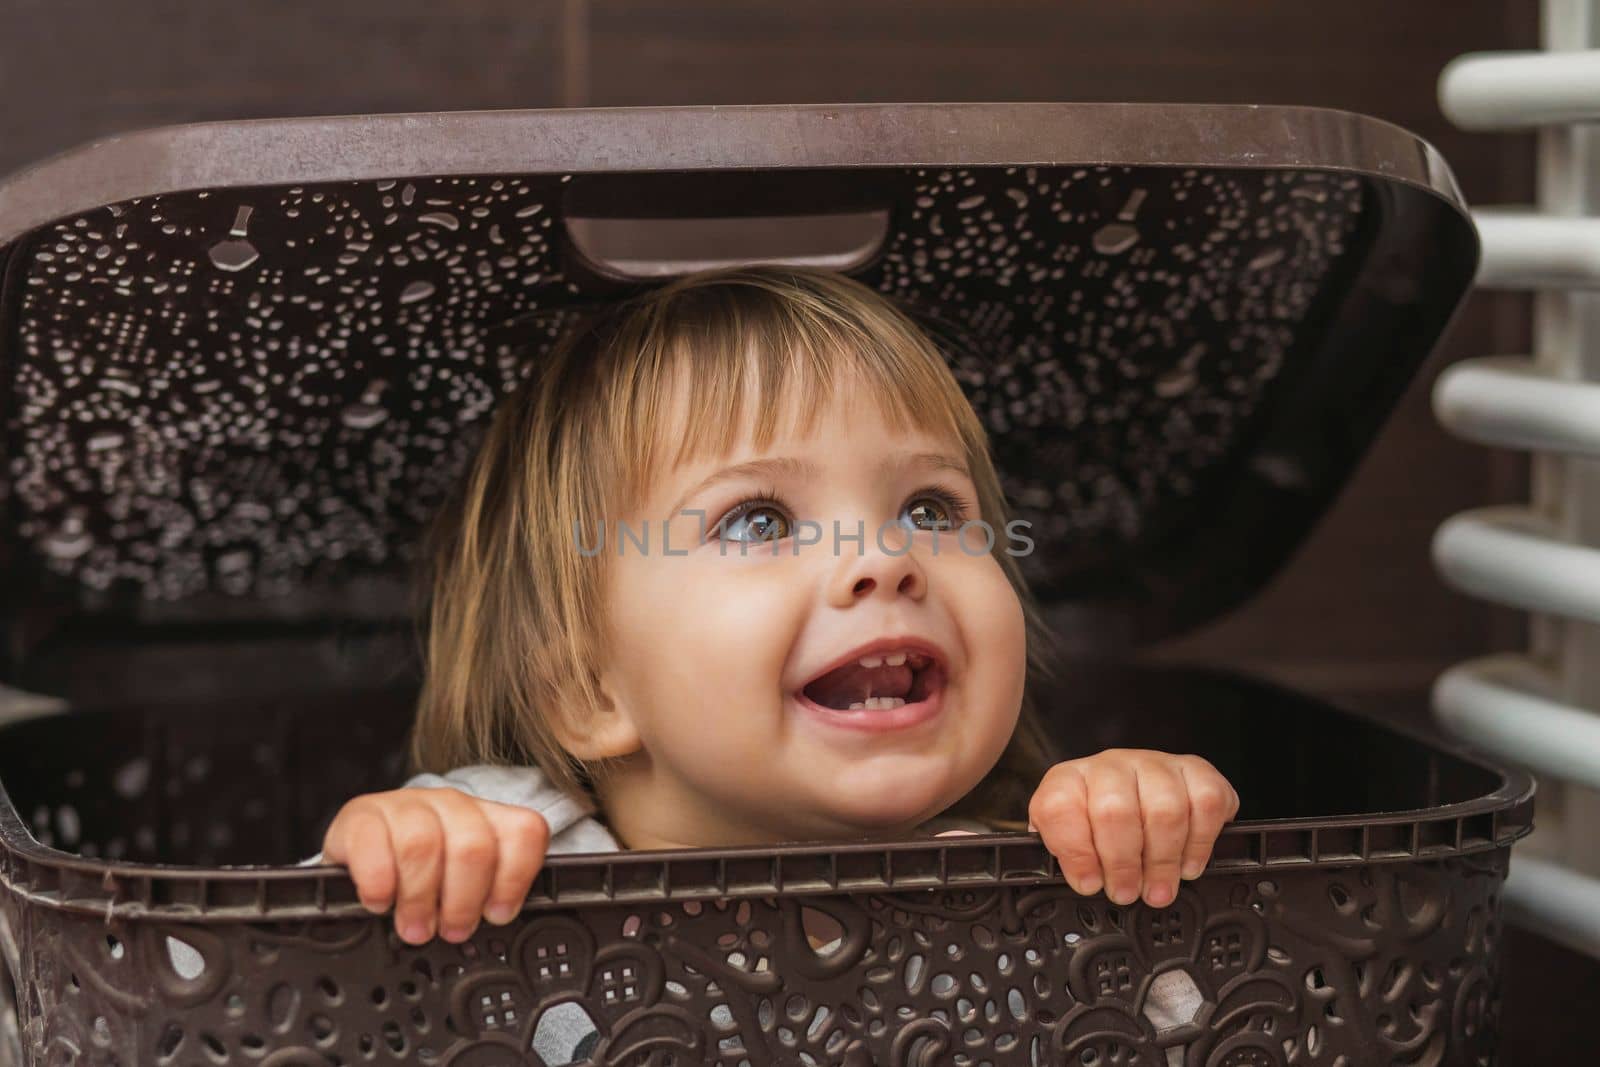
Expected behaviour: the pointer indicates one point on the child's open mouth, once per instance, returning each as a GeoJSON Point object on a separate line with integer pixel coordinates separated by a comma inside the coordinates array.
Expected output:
{"type": "Point", "coordinates": [885, 686]}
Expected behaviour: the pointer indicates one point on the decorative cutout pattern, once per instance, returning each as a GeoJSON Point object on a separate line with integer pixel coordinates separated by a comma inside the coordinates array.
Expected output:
{"type": "Point", "coordinates": [252, 391]}
{"type": "Point", "coordinates": [1380, 964]}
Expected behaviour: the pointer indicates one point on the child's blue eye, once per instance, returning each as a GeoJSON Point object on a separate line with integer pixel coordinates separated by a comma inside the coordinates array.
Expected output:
{"type": "Point", "coordinates": [764, 518]}
{"type": "Point", "coordinates": [934, 509]}
{"type": "Point", "coordinates": [756, 521]}
{"type": "Point", "coordinates": [928, 513]}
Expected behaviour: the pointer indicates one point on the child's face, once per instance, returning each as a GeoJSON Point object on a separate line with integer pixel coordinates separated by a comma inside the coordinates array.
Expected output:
{"type": "Point", "coordinates": [719, 657]}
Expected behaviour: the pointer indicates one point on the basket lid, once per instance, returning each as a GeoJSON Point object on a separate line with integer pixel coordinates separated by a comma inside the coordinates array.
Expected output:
{"type": "Point", "coordinates": [243, 361]}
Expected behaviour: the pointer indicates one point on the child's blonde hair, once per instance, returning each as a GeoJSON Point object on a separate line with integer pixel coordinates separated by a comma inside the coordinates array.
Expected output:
{"type": "Point", "coordinates": [517, 630]}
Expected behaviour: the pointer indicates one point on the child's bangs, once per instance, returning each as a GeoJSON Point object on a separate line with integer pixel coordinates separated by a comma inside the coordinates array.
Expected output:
{"type": "Point", "coordinates": [775, 378]}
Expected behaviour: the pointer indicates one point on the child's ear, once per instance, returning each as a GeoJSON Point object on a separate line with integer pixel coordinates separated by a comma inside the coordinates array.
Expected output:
{"type": "Point", "coordinates": [607, 731]}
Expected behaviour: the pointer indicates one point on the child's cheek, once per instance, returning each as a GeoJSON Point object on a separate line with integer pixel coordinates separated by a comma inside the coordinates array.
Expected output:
{"type": "Point", "coordinates": [996, 631]}
{"type": "Point", "coordinates": [723, 641]}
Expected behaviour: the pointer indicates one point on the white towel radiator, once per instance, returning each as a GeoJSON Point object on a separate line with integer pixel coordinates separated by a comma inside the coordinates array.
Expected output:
{"type": "Point", "coordinates": [1540, 709]}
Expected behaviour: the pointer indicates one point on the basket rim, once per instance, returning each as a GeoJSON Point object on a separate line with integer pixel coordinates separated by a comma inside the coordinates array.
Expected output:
{"type": "Point", "coordinates": [293, 151]}
{"type": "Point", "coordinates": [48, 877]}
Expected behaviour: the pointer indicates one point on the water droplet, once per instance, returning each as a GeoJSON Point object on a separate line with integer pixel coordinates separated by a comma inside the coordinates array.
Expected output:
{"type": "Point", "coordinates": [418, 290]}
{"type": "Point", "coordinates": [234, 562]}
{"type": "Point", "coordinates": [1130, 209]}
{"type": "Point", "coordinates": [441, 218]}
{"type": "Point", "coordinates": [130, 779]}
{"type": "Point", "coordinates": [1270, 258]}
{"type": "Point", "coordinates": [69, 542]}
{"type": "Point", "coordinates": [367, 412]}
{"type": "Point", "coordinates": [1281, 471]}
{"type": "Point", "coordinates": [1175, 382]}
{"type": "Point", "coordinates": [236, 253]}
{"type": "Point", "coordinates": [185, 959]}
{"type": "Point", "coordinates": [1115, 238]}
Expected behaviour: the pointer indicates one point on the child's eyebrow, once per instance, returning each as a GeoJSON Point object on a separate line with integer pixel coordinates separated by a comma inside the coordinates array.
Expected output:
{"type": "Point", "coordinates": [788, 466]}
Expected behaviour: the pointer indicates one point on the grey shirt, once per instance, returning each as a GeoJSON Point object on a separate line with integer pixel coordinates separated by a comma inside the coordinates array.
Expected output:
{"type": "Point", "coordinates": [572, 822]}
{"type": "Point", "coordinates": [573, 826]}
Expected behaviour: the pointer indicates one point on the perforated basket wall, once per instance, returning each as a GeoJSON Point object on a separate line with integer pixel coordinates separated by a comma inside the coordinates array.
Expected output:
{"type": "Point", "coordinates": [1363, 939]}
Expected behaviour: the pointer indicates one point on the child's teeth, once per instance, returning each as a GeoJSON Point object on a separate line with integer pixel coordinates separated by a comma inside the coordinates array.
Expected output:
{"type": "Point", "coordinates": [894, 659]}
{"type": "Point", "coordinates": [878, 704]}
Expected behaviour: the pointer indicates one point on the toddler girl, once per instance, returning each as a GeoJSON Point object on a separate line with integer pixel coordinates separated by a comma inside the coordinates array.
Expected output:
{"type": "Point", "coordinates": [734, 567]}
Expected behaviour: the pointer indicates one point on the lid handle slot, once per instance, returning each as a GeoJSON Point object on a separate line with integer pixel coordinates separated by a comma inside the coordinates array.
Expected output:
{"type": "Point", "coordinates": [652, 249]}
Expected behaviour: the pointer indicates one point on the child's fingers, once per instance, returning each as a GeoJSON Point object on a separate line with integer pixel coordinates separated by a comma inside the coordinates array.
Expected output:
{"type": "Point", "coordinates": [1164, 806]}
{"type": "Point", "coordinates": [1059, 811]}
{"type": "Point", "coordinates": [1212, 802]}
{"type": "Point", "coordinates": [1118, 834]}
{"type": "Point", "coordinates": [359, 839]}
{"type": "Point", "coordinates": [418, 838]}
{"type": "Point", "coordinates": [523, 837]}
{"type": "Point", "coordinates": [471, 854]}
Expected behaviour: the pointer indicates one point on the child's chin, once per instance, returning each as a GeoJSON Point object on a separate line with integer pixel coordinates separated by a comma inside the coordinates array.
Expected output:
{"type": "Point", "coordinates": [890, 793]}
{"type": "Point", "coordinates": [885, 808]}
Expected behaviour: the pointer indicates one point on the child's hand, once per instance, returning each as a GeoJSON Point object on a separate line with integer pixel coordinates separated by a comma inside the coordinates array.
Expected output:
{"type": "Point", "coordinates": [1132, 820]}
{"type": "Point", "coordinates": [442, 857]}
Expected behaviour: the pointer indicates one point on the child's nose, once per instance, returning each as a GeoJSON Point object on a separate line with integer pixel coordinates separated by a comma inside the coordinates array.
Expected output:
{"type": "Point", "coordinates": [878, 570]}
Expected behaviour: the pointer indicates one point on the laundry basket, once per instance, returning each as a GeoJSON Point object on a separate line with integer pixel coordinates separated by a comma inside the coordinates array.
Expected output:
{"type": "Point", "coordinates": [244, 361]}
